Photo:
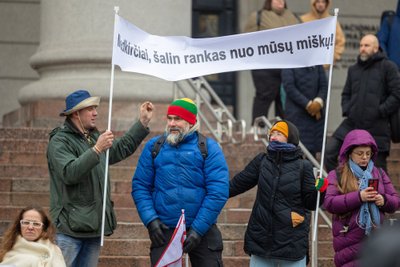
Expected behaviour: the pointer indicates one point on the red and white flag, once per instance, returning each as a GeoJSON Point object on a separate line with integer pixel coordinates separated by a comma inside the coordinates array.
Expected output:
{"type": "Point", "coordinates": [172, 255]}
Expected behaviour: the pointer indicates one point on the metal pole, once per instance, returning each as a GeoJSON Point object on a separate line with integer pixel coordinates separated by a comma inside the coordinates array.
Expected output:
{"type": "Point", "coordinates": [325, 132]}
{"type": "Point", "coordinates": [116, 9]}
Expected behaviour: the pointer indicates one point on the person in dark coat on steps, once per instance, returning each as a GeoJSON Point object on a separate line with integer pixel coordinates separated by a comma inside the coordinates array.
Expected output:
{"type": "Point", "coordinates": [278, 228]}
{"type": "Point", "coordinates": [370, 95]}
{"type": "Point", "coordinates": [306, 90]}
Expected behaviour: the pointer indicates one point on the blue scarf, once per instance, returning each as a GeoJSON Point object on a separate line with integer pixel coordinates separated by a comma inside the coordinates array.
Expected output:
{"type": "Point", "coordinates": [279, 146]}
{"type": "Point", "coordinates": [369, 212]}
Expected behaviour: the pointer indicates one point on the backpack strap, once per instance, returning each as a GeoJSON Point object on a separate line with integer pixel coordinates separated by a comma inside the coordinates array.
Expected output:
{"type": "Point", "coordinates": [201, 142]}
{"type": "Point", "coordinates": [298, 18]}
{"type": "Point", "coordinates": [157, 146]}
{"type": "Point", "coordinates": [259, 19]}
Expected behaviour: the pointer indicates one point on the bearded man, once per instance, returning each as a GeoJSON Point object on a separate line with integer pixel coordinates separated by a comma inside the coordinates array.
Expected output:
{"type": "Point", "coordinates": [370, 95]}
{"type": "Point", "coordinates": [180, 177]}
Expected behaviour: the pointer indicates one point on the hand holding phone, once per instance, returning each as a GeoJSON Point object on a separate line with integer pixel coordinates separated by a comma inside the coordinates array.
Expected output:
{"type": "Point", "coordinates": [373, 183]}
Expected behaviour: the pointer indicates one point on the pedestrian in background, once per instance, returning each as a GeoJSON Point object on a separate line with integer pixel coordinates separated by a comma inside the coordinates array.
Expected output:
{"type": "Point", "coordinates": [267, 82]}
{"type": "Point", "coordinates": [319, 10]}
{"type": "Point", "coordinates": [306, 90]}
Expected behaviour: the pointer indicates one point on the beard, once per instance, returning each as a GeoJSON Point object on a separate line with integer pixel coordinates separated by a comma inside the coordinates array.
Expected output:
{"type": "Point", "coordinates": [364, 56]}
{"type": "Point", "coordinates": [174, 138]}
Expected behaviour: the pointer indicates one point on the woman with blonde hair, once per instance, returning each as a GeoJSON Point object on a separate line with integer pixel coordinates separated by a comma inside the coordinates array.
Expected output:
{"type": "Point", "coordinates": [30, 241]}
{"type": "Point", "coordinates": [358, 196]}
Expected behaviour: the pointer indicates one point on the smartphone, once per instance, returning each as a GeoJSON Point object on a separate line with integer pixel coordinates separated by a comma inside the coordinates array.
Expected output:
{"type": "Point", "coordinates": [373, 183]}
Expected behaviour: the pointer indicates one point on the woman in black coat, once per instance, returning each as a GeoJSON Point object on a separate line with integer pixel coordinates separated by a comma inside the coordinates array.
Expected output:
{"type": "Point", "coordinates": [306, 90]}
{"type": "Point", "coordinates": [278, 228]}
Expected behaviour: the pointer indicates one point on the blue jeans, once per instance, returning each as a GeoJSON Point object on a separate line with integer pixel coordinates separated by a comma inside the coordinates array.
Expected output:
{"type": "Point", "coordinates": [79, 252]}
{"type": "Point", "coordinates": [256, 261]}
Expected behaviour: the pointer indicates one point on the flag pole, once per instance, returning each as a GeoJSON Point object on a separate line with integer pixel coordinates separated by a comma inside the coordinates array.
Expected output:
{"type": "Point", "coordinates": [315, 228]}
{"type": "Point", "coordinates": [116, 9]}
{"type": "Point", "coordinates": [186, 255]}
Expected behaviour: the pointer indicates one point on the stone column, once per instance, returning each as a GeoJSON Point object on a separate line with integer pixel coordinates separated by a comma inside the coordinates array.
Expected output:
{"type": "Point", "coordinates": [76, 47]}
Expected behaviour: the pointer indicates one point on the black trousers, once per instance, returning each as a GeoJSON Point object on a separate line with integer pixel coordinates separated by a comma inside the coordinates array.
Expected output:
{"type": "Point", "coordinates": [268, 84]}
{"type": "Point", "coordinates": [332, 152]}
{"type": "Point", "coordinates": [207, 254]}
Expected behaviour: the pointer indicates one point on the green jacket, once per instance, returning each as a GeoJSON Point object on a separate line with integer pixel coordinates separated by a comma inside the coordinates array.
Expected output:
{"type": "Point", "coordinates": [77, 178]}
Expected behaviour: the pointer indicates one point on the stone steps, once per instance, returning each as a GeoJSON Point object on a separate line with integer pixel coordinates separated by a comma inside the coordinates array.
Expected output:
{"type": "Point", "coordinates": [130, 214]}
{"type": "Point", "coordinates": [22, 151]}
{"type": "Point", "coordinates": [17, 191]}
{"type": "Point", "coordinates": [24, 180]}
{"type": "Point", "coordinates": [131, 239]}
{"type": "Point", "coordinates": [143, 261]}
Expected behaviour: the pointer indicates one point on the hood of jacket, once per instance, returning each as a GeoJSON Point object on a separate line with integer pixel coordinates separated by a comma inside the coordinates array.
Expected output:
{"type": "Point", "coordinates": [314, 10]}
{"type": "Point", "coordinates": [378, 56]}
{"type": "Point", "coordinates": [357, 138]}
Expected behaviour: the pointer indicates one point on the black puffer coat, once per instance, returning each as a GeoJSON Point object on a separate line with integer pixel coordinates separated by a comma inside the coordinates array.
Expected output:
{"type": "Point", "coordinates": [370, 95]}
{"type": "Point", "coordinates": [281, 190]}
{"type": "Point", "coordinates": [303, 85]}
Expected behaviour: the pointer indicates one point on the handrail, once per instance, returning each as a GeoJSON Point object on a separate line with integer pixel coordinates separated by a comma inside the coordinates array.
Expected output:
{"type": "Point", "coordinates": [227, 128]}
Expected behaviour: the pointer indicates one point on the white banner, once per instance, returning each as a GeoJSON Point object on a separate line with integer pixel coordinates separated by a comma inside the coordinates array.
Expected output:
{"type": "Point", "coordinates": [178, 57]}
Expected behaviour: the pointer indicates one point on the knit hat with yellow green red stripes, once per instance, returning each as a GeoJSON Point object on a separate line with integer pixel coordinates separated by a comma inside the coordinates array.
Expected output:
{"type": "Point", "coordinates": [184, 108]}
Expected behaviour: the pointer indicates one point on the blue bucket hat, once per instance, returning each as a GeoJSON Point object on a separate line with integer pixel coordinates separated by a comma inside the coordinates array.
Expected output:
{"type": "Point", "coordinates": [78, 100]}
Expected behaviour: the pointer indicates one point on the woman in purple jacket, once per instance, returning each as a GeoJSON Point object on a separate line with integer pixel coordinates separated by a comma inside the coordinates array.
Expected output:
{"type": "Point", "coordinates": [357, 207]}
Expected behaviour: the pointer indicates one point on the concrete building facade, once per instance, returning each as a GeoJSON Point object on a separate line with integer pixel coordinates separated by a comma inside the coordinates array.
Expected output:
{"type": "Point", "coordinates": [49, 48]}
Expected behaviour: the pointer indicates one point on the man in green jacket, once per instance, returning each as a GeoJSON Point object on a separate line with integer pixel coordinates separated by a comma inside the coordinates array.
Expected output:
{"type": "Point", "coordinates": [76, 161]}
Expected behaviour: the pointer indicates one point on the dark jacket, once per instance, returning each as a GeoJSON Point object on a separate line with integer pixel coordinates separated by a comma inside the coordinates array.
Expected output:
{"type": "Point", "coordinates": [281, 190]}
{"type": "Point", "coordinates": [301, 86]}
{"type": "Point", "coordinates": [180, 178]}
{"type": "Point", "coordinates": [347, 235]}
{"type": "Point", "coordinates": [371, 93]}
{"type": "Point", "coordinates": [77, 179]}
{"type": "Point", "coordinates": [389, 37]}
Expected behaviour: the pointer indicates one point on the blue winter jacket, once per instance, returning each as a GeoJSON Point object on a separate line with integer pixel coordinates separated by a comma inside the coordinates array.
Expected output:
{"type": "Point", "coordinates": [389, 37]}
{"type": "Point", "coordinates": [179, 178]}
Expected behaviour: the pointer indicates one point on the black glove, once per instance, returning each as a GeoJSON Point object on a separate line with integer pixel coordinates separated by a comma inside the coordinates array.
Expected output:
{"type": "Point", "coordinates": [156, 233]}
{"type": "Point", "coordinates": [192, 240]}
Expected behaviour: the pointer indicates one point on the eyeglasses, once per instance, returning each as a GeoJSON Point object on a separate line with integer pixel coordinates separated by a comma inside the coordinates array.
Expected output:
{"type": "Point", "coordinates": [361, 154]}
{"type": "Point", "coordinates": [34, 224]}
